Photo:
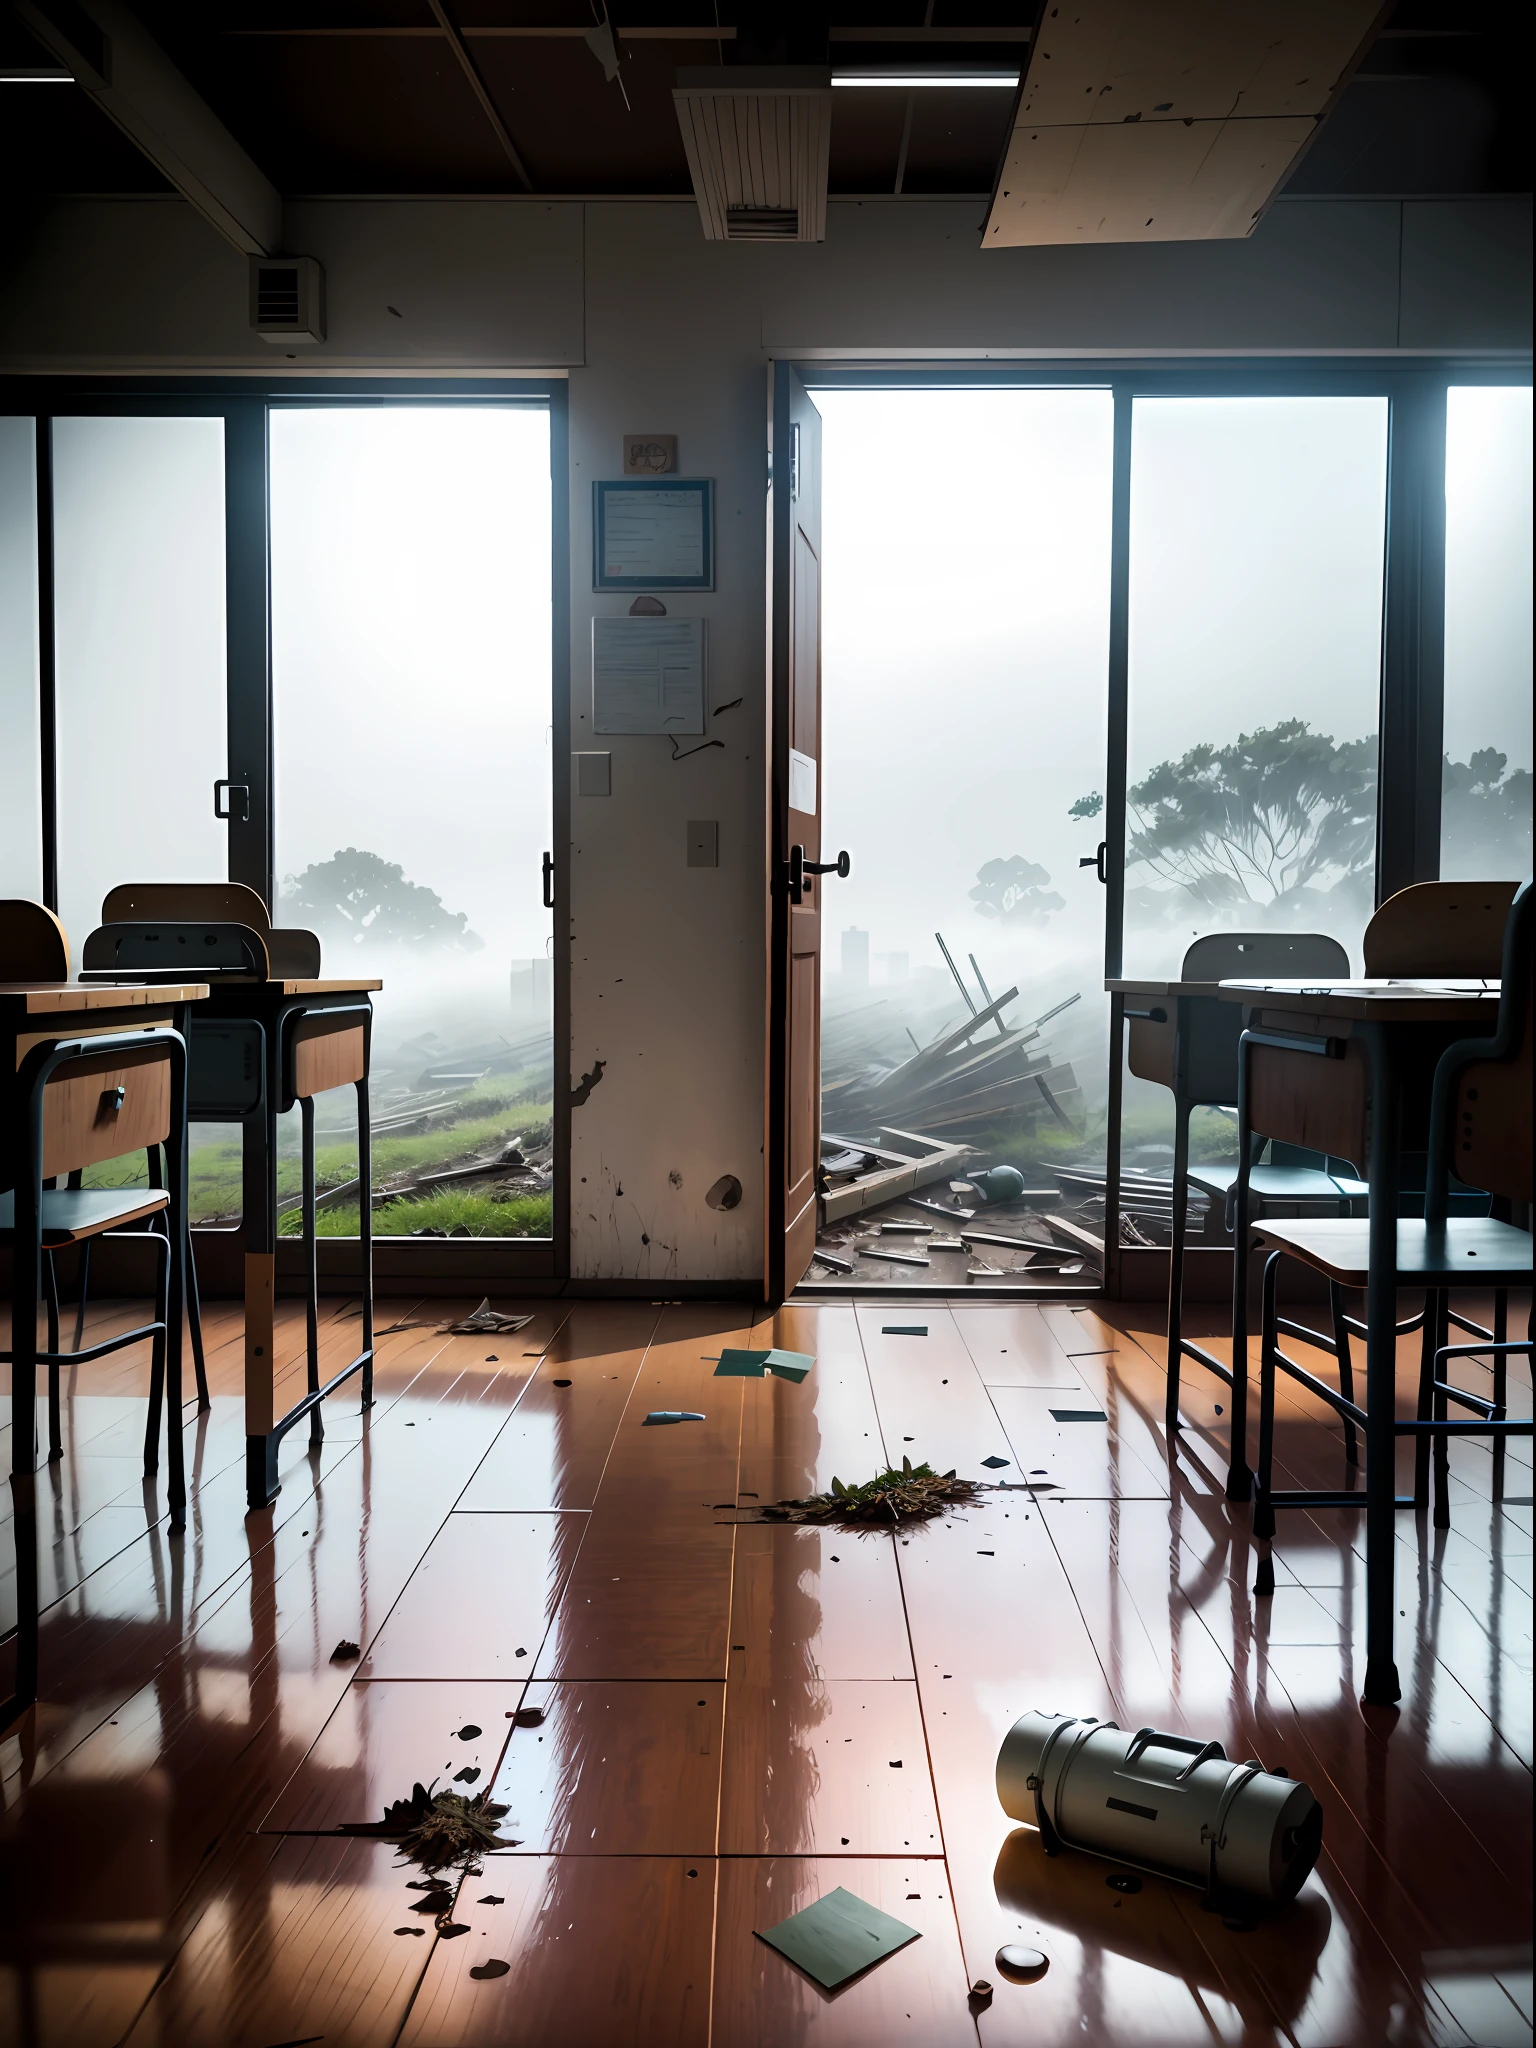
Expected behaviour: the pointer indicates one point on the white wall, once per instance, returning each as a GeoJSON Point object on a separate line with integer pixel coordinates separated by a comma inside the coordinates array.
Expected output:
{"type": "Point", "coordinates": [662, 332]}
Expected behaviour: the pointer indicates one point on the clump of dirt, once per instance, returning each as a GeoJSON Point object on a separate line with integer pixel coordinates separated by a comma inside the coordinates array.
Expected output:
{"type": "Point", "coordinates": [914, 1494]}
{"type": "Point", "coordinates": [439, 1830]}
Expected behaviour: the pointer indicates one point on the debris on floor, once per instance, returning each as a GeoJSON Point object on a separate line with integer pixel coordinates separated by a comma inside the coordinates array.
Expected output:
{"type": "Point", "coordinates": [752, 1365]}
{"type": "Point", "coordinates": [838, 1937]}
{"type": "Point", "coordinates": [914, 1494]}
{"type": "Point", "coordinates": [437, 1831]}
{"type": "Point", "coordinates": [1021, 1965]}
{"type": "Point", "coordinates": [659, 1415]}
{"type": "Point", "coordinates": [344, 1652]}
{"type": "Point", "coordinates": [487, 1322]}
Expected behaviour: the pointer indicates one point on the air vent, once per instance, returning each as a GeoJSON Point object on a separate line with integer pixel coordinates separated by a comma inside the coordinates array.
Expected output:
{"type": "Point", "coordinates": [757, 150]}
{"type": "Point", "coordinates": [762, 224]}
{"type": "Point", "coordinates": [287, 298]}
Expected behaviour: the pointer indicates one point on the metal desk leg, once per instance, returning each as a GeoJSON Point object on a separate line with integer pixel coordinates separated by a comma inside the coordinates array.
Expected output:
{"type": "Point", "coordinates": [26, 1286]}
{"type": "Point", "coordinates": [259, 1230]}
{"type": "Point", "coordinates": [1239, 1478]}
{"type": "Point", "coordinates": [311, 1266]}
{"type": "Point", "coordinates": [176, 1288]}
{"type": "Point", "coordinates": [365, 1230]}
{"type": "Point", "coordinates": [1181, 1116]}
{"type": "Point", "coordinates": [1381, 1681]}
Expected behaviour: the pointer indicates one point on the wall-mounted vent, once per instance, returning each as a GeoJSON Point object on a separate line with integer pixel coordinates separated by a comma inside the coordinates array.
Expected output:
{"type": "Point", "coordinates": [757, 150]}
{"type": "Point", "coordinates": [288, 298]}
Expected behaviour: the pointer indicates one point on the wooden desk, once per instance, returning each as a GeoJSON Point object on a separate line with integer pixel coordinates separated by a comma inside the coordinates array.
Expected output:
{"type": "Point", "coordinates": [1404, 1027]}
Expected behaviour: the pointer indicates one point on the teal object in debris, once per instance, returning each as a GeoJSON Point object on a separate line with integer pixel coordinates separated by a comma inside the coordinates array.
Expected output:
{"type": "Point", "coordinates": [998, 1183]}
{"type": "Point", "coordinates": [751, 1365]}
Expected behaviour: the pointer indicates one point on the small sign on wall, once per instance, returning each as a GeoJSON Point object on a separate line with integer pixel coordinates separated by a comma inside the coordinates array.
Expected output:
{"type": "Point", "coordinates": [650, 454]}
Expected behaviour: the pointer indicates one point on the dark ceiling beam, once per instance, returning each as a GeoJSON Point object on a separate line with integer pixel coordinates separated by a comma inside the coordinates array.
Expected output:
{"type": "Point", "coordinates": [477, 85]}
{"type": "Point", "coordinates": [117, 63]}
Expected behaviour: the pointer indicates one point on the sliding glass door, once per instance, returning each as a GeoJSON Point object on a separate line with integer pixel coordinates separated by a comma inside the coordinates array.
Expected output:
{"type": "Point", "coordinates": [411, 625]}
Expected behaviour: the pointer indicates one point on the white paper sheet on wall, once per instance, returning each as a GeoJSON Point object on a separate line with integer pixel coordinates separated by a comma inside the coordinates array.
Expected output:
{"type": "Point", "coordinates": [648, 675]}
{"type": "Point", "coordinates": [654, 534]}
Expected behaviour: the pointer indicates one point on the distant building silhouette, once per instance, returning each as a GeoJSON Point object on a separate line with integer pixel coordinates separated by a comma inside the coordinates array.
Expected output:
{"type": "Point", "coordinates": [855, 958]}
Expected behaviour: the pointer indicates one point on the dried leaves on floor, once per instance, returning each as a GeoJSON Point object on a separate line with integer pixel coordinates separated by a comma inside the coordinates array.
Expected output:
{"type": "Point", "coordinates": [914, 1494]}
{"type": "Point", "coordinates": [439, 1830]}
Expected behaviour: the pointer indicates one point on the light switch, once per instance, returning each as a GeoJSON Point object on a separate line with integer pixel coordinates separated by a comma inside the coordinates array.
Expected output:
{"type": "Point", "coordinates": [594, 775]}
{"type": "Point", "coordinates": [703, 843]}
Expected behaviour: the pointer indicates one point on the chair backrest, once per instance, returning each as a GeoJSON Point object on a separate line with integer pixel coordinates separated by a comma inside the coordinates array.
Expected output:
{"type": "Point", "coordinates": [1481, 1107]}
{"type": "Point", "coordinates": [1265, 956]}
{"type": "Point", "coordinates": [1441, 930]}
{"type": "Point", "coordinates": [1209, 1054]}
{"type": "Point", "coordinates": [186, 903]}
{"type": "Point", "coordinates": [34, 946]}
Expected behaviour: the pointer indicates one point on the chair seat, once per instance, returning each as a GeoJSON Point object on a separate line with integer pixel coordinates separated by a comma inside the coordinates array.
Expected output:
{"type": "Point", "coordinates": [72, 1213]}
{"type": "Point", "coordinates": [1469, 1251]}
{"type": "Point", "coordinates": [1280, 1183]}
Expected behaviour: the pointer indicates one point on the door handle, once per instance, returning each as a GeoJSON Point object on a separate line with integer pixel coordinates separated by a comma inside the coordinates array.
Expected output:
{"type": "Point", "coordinates": [1097, 861]}
{"type": "Point", "coordinates": [237, 790]}
{"type": "Point", "coordinates": [797, 868]}
{"type": "Point", "coordinates": [549, 881]}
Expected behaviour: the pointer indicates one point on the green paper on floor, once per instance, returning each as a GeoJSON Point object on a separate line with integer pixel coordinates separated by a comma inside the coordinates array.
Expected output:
{"type": "Point", "coordinates": [838, 1937]}
{"type": "Point", "coordinates": [751, 1365]}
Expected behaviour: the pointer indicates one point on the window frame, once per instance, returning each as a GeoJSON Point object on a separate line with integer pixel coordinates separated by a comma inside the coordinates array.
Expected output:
{"type": "Point", "coordinates": [244, 404]}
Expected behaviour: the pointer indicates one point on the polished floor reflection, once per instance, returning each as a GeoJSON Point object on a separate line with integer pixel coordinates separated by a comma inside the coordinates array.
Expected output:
{"type": "Point", "coordinates": [735, 1717]}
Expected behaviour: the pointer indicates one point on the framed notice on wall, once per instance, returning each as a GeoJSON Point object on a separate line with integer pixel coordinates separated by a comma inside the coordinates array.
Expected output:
{"type": "Point", "coordinates": [653, 533]}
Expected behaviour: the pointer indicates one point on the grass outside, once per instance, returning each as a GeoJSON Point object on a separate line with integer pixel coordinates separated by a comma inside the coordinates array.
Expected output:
{"type": "Point", "coordinates": [214, 1164]}
{"type": "Point", "coordinates": [482, 1215]}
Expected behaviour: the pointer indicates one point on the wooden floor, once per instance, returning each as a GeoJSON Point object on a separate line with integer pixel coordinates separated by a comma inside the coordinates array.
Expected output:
{"type": "Point", "coordinates": [737, 1716]}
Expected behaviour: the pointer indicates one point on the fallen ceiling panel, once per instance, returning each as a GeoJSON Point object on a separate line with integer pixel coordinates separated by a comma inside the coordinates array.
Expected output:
{"type": "Point", "coordinates": [1169, 122]}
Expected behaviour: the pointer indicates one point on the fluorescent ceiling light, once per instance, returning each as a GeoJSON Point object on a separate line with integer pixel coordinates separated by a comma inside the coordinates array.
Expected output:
{"type": "Point", "coordinates": [21, 74]}
{"type": "Point", "coordinates": [917, 81]}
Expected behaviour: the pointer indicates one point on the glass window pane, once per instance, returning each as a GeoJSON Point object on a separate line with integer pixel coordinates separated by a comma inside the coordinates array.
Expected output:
{"type": "Point", "coordinates": [21, 817]}
{"type": "Point", "coordinates": [1257, 552]}
{"type": "Point", "coordinates": [411, 685]}
{"type": "Point", "coordinates": [1485, 819]}
{"type": "Point", "coordinates": [965, 647]}
{"type": "Point", "coordinates": [138, 511]}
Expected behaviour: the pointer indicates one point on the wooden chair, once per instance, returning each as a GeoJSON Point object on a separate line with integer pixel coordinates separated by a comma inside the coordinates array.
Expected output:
{"type": "Point", "coordinates": [1198, 1061]}
{"type": "Point", "coordinates": [1480, 1131]}
{"type": "Point", "coordinates": [73, 1103]}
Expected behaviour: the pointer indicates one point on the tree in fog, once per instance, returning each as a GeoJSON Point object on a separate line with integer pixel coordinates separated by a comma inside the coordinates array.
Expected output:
{"type": "Point", "coordinates": [1486, 814]}
{"type": "Point", "coordinates": [356, 899]}
{"type": "Point", "coordinates": [1279, 814]}
{"type": "Point", "coordinates": [1014, 890]}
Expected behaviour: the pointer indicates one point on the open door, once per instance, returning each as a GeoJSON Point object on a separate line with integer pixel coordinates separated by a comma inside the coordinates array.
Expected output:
{"type": "Point", "coordinates": [795, 864]}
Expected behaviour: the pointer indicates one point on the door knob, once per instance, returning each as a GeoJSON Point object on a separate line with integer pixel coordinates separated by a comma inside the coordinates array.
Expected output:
{"type": "Point", "coordinates": [1096, 861]}
{"type": "Point", "coordinates": [840, 866]}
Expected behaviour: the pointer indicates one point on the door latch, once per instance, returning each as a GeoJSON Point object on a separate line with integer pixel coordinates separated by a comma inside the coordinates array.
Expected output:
{"type": "Point", "coordinates": [798, 868]}
{"type": "Point", "coordinates": [1097, 861]}
{"type": "Point", "coordinates": [549, 881]}
{"type": "Point", "coordinates": [239, 793]}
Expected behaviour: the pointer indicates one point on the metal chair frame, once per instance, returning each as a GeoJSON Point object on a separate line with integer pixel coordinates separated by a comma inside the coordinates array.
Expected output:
{"type": "Point", "coordinates": [41, 1065]}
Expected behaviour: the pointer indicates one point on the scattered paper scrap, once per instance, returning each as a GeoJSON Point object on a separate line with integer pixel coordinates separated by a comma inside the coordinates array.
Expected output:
{"type": "Point", "coordinates": [903, 1329]}
{"type": "Point", "coordinates": [494, 1968]}
{"type": "Point", "coordinates": [659, 1415]}
{"type": "Point", "coordinates": [751, 1365]}
{"type": "Point", "coordinates": [838, 1937]}
{"type": "Point", "coordinates": [996, 1464]}
{"type": "Point", "coordinates": [344, 1652]}
{"type": "Point", "coordinates": [1078, 1415]}
{"type": "Point", "coordinates": [488, 1322]}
